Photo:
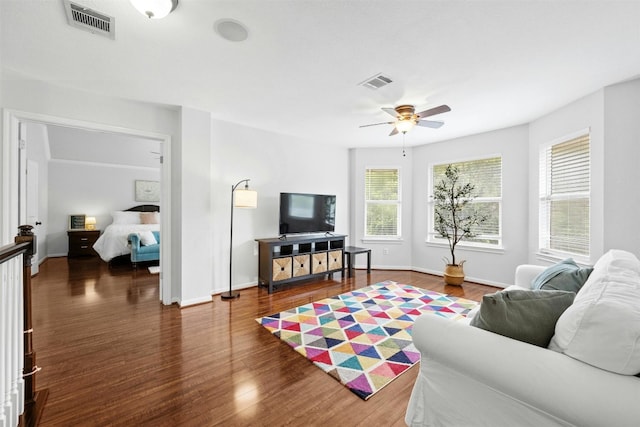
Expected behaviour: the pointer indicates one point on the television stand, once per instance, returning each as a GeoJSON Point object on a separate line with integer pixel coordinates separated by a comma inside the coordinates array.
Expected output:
{"type": "Point", "coordinates": [297, 258]}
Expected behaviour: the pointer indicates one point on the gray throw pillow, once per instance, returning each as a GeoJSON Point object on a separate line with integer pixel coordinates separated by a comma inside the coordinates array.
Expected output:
{"type": "Point", "coordinates": [524, 315]}
{"type": "Point", "coordinates": [563, 276]}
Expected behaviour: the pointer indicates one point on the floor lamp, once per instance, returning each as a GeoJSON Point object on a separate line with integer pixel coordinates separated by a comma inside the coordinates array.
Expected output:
{"type": "Point", "coordinates": [240, 198]}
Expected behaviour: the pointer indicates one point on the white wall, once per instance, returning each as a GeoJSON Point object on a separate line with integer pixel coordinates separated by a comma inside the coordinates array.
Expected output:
{"type": "Point", "coordinates": [612, 116]}
{"type": "Point", "coordinates": [91, 189]}
{"type": "Point", "coordinates": [193, 204]}
{"type": "Point", "coordinates": [585, 113]}
{"type": "Point", "coordinates": [621, 171]}
{"type": "Point", "coordinates": [386, 254]}
{"type": "Point", "coordinates": [491, 267]}
{"type": "Point", "coordinates": [24, 94]}
{"type": "Point", "coordinates": [274, 163]}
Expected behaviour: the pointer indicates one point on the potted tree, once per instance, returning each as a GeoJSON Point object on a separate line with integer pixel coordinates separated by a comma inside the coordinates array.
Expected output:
{"type": "Point", "coordinates": [454, 218]}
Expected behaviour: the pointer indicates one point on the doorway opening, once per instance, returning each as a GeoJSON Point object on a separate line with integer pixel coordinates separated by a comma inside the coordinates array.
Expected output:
{"type": "Point", "coordinates": [14, 191]}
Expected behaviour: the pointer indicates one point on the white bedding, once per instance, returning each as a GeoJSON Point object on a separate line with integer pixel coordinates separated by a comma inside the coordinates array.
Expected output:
{"type": "Point", "coordinates": [113, 242]}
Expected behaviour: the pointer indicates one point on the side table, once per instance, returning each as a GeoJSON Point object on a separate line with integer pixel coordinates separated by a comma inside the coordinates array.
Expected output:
{"type": "Point", "coordinates": [81, 242]}
{"type": "Point", "coordinates": [350, 252]}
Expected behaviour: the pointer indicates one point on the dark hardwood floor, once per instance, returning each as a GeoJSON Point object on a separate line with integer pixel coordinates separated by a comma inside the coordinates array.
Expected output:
{"type": "Point", "coordinates": [111, 354]}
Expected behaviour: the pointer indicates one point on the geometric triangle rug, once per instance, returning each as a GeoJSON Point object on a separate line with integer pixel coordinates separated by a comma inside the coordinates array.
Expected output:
{"type": "Point", "coordinates": [363, 338]}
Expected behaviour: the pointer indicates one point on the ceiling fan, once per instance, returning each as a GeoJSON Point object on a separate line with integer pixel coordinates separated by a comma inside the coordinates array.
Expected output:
{"type": "Point", "coordinates": [406, 118]}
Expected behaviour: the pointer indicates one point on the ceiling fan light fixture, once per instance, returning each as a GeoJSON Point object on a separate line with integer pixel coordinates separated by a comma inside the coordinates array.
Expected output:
{"type": "Point", "coordinates": [155, 9]}
{"type": "Point", "coordinates": [406, 118]}
{"type": "Point", "coordinates": [405, 125]}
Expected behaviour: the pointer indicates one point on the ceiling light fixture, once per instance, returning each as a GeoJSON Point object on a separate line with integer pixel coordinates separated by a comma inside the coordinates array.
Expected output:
{"type": "Point", "coordinates": [406, 118]}
{"type": "Point", "coordinates": [155, 9]}
{"type": "Point", "coordinates": [405, 124]}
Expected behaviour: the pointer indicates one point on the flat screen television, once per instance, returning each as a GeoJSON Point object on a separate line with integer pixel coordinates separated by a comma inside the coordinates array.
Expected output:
{"type": "Point", "coordinates": [307, 213]}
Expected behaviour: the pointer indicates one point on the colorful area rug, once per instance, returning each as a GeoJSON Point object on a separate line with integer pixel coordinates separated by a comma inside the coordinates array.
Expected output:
{"type": "Point", "coordinates": [363, 338]}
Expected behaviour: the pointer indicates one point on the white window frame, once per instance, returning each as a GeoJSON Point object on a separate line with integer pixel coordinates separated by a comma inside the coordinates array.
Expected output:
{"type": "Point", "coordinates": [397, 202]}
{"type": "Point", "coordinates": [545, 196]}
{"type": "Point", "coordinates": [433, 239]}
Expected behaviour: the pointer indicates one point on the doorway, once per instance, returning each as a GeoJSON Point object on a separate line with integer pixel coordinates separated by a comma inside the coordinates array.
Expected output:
{"type": "Point", "coordinates": [15, 194]}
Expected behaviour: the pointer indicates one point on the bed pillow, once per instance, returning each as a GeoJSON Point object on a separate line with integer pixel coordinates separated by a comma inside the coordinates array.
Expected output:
{"type": "Point", "coordinates": [563, 276]}
{"type": "Point", "coordinates": [149, 218]}
{"type": "Point", "coordinates": [126, 217]}
{"type": "Point", "coordinates": [147, 238]}
{"type": "Point", "coordinates": [523, 314]}
{"type": "Point", "coordinates": [602, 327]}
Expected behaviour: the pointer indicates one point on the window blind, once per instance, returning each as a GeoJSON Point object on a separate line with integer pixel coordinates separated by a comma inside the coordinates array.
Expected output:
{"type": "Point", "coordinates": [486, 176]}
{"type": "Point", "coordinates": [382, 202]}
{"type": "Point", "coordinates": [565, 183]}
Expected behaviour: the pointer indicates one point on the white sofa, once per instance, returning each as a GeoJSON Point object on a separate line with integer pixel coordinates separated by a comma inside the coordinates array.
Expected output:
{"type": "Point", "coordinates": [472, 377]}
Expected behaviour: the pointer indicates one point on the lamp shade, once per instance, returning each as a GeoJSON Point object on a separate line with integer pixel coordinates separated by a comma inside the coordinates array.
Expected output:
{"type": "Point", "coordinates": [90, 222]}
{"type": "Point", "coordinates": [405, 125]}
{"type": "Point", "coordinates": [245, 198]}
{"type": "Point", "coordinates": [155, 9]}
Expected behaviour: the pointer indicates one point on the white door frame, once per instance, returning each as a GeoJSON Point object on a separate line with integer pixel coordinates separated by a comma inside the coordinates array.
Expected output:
{"type": "Point", "coordinates": [11, 171]}
{"type": "Point", "coordinates": [32, 204]}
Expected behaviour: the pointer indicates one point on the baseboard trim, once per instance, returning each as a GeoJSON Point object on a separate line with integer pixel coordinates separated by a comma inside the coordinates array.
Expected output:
{"type": "Point", "coordinates": [467, 278]}
{"type": "Point", "coordinates": [194, 301]}
{"type": "Point", "coordinates": [56, 255]}
{"type": "Point", "coordinates": [215, 292]}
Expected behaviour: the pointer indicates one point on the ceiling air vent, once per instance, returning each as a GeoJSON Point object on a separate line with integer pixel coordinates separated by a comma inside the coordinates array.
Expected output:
{"type": "Point", "coordinates": [89, 20]}
{"type": "Point", "coordinates": [376, 82]}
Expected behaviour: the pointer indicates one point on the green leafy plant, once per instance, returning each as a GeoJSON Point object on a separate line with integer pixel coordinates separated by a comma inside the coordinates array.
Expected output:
{"type": "Point", "coordinates": [455, 218]}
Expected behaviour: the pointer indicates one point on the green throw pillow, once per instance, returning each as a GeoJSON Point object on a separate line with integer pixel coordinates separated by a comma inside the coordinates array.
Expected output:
{"type": "Point", "coordinates": [524, 315]}
{"type": "Point", "coordinates": [563, 276]}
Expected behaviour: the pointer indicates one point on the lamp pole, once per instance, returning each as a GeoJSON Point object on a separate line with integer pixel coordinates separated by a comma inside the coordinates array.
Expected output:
{"type": "Point", "coordinates": [231, 294]}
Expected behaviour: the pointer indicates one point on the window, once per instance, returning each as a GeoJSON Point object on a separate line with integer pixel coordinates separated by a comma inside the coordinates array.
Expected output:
{"type": "Point", "coordinates": [565, 187]}
{"type": "Point", "coordinates": [382, 203]}
{"type": "Point", "coordinates": [486, 176]}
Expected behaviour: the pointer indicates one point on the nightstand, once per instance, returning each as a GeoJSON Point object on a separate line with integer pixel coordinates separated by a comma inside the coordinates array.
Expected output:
{"type": "Point", "coordinates": [81, 242]}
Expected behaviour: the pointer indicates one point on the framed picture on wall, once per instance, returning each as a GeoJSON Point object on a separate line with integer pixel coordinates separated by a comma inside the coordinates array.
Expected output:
{"type": "Point", "coordinates": [76, 222]}
{"type": "Point", "coordinates": [147, 191]}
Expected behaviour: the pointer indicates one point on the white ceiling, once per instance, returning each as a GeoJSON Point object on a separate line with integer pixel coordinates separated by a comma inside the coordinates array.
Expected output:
{"type": "Point", "coordinates": [80, 145]}
{"type": "Point", "coordinates": [495, 63]}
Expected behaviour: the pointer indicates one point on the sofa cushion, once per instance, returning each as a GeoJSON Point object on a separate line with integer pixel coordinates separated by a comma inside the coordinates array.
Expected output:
{"type": "Point", "coordinates": [147, 238]}
{"type": "Point", "coordinates": [602, 327]}
{"type": "Point", "coordinates": [563, 276]}
{"type": "Point", "coordinates": [149, 218]}
{"type": "Point", "coordinates": [524, 315]}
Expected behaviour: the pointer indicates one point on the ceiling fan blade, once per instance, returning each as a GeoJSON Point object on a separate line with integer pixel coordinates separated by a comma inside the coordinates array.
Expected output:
{"type": "Point", "coordinates": [430, 124]}
{"type": "Point", "coordinates": [433, 111]}
{"type": "Point", "coordinates": [391, 111]}
{"type": "Point", "coordinates": [376, 124]}
{"type": "Point", "coordinates": [394, 131]}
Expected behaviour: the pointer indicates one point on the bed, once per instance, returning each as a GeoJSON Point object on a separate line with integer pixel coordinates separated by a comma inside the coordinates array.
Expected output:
{"type": "Point", "coordinates": [114, 243]}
